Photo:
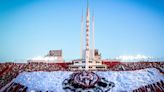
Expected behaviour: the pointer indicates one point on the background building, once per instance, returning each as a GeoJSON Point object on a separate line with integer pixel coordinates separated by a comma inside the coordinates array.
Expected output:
{"type": "Point", "coordinates": [94, 64]}
{"type": "Point", "coordinates": [54, 56]}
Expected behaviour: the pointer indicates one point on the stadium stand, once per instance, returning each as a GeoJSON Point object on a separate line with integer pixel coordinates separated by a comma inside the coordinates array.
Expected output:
{"type": "Point", "coordinates": [9, 71]}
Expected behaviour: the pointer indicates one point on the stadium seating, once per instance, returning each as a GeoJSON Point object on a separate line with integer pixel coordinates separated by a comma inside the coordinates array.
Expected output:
{"type": "Point", "coordinates": [8, 71]}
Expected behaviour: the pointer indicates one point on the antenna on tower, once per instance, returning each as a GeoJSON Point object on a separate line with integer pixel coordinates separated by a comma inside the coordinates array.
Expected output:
{"type": "Point", "coordinates": [87, 7]}
{"type": "Point", "coordinates": [87, 3]}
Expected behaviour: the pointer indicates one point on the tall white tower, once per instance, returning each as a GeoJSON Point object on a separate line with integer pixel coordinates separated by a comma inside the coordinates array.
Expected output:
{"type": "Point", "coordinates": [87, 49]}
{"type": "Point", "coordinates": [81, 36]}
{"type": "Point", "coordinates": [92, 61]}
{"type": "Point", "coordinates": [93, 38]}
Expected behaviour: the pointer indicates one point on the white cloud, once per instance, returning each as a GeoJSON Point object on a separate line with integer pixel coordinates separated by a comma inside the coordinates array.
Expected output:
{"type": "Point", "coordinates": [48, 58]}
{"type": "Point", "coordinates": [135, 58]}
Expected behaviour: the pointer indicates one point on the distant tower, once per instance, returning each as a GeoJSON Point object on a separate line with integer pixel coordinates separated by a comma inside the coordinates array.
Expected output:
{"type": "Point", "coordinates": [87, 49]}
{"type": "Point", "coordinates": [93, 38]}
{"type": "Point", "coordinates": [81, 36]}
{"type": "Point", "coordinates": [90, 55]}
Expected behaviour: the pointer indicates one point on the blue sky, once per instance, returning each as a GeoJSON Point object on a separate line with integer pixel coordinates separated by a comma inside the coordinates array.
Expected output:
{"type": "Point", "coordinates": [30, 28]}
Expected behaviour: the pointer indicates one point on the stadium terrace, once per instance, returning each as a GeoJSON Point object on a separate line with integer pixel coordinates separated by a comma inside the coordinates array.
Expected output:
{"type": "Point", "coordinates": [90, 73]}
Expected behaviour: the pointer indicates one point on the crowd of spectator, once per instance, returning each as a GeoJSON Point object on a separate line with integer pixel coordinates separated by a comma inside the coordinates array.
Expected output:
{"type": "Point", "coordinates": [44, 67]}
{"type": "Point", "coordinates": [155, 87]}
{"type": "Point", "coordinates": [128, 66]}
{"type": "Point", "coordinates": [2, 66]}
{"type": "Point", "coordinates": [15, 87]}
{"type": "Point", "coordinates": [9, 71]}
